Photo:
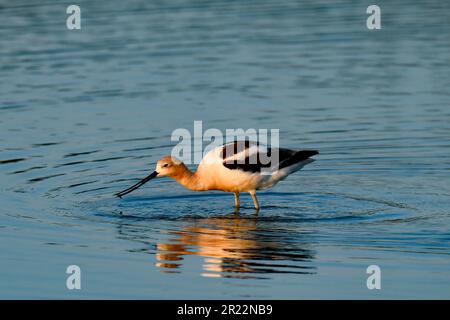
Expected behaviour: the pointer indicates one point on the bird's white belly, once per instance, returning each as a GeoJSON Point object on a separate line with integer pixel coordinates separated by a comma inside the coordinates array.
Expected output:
{"type": "Point", "coordinates": [218, 177]}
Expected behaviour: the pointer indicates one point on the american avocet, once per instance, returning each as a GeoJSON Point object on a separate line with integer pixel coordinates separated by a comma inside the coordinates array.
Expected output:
{"type": "Point", "coordinates": [234, 167]}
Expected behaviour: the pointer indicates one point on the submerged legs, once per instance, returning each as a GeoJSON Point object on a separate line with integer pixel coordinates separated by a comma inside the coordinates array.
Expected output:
{"type": "Point", "coordinates": [255, 201]}
{"type": "Point", "coordinates": [236, 200]}
{"type": "Point", "coordinates": [252, 194]}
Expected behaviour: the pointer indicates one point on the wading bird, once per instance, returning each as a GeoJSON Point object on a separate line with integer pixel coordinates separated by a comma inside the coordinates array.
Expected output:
{"type": "Point", "coordinates": [239, 166]}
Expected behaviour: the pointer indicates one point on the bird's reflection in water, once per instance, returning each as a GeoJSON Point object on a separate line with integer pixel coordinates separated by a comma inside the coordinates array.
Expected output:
{"type": "Point", "coordinates": [236, 247]}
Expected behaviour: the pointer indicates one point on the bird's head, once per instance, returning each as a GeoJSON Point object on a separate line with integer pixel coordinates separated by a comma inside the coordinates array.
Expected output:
{"type": "Point", "coordinates": [166, 167]}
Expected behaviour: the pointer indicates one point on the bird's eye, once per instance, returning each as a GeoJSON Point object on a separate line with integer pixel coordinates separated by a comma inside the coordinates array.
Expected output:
{"type": "Point", "coordinates": [166, 165]}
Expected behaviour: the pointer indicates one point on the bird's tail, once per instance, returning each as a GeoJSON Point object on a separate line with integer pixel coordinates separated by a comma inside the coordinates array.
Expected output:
{"type": "Point", "coordinates": [298, 157]}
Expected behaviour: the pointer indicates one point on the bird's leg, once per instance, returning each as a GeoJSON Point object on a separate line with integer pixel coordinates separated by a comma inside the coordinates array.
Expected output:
{"type": "Point", "coordinates": [236, 200]}
{"type": "Point", "coordinates": [255, 201]}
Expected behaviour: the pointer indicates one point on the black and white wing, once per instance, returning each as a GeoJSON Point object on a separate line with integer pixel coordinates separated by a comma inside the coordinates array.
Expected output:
{"type": "Point", "coordinates": [250, 156]}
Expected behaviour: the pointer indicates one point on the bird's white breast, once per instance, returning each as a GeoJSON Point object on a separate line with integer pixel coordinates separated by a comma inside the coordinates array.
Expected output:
{"type": "Point", "coordinates": [212, 170]}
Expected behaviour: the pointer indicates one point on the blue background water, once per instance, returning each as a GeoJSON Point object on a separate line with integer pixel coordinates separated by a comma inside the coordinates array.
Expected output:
{"type": "Point", "coordinates": [83, 114]}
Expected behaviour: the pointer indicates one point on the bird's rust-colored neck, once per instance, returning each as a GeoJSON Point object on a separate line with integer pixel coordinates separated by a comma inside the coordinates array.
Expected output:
{"type": "Point", "coordinates": [189, 179]}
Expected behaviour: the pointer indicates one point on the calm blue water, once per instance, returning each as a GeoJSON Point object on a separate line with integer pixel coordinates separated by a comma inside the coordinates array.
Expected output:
{"type": "Point", "coordinates": [83, 114]}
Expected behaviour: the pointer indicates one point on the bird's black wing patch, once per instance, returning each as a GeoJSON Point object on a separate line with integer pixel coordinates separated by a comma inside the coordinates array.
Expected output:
{"type": "Point", "coordinates": [258, 160]}
{"type": "Point", "coordinates": [231, 149]}
{"type": "Point", "coordinates": [237, 155]}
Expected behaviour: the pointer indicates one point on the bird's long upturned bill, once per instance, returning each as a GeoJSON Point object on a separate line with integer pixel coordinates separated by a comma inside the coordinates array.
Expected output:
{"type": "Point", "coordinates": [137, 185]}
